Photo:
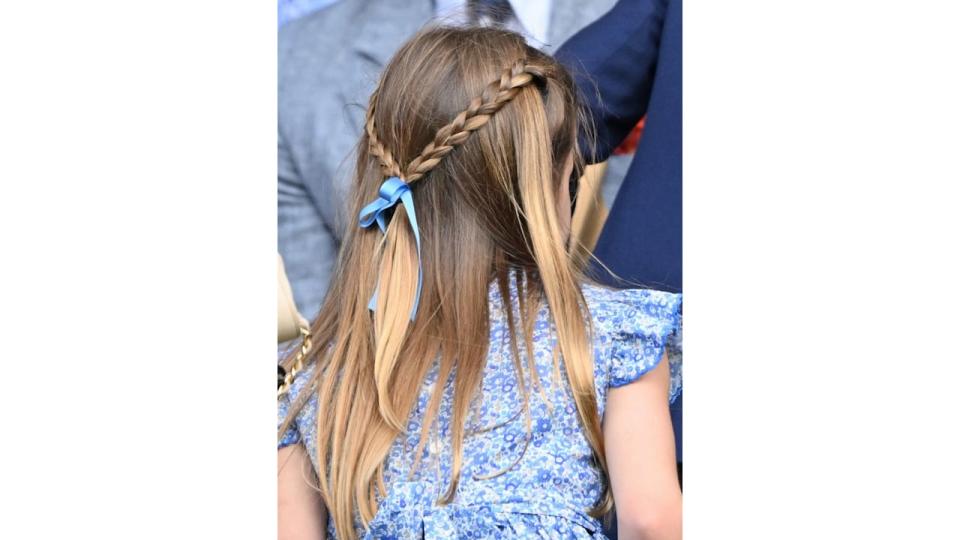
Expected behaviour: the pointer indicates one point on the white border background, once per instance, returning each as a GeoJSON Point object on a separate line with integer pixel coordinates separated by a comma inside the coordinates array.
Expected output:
{"type": "Point", "coordinates": [138, 225]}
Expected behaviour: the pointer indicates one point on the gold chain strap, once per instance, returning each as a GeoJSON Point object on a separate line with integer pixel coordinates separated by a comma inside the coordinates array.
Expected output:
{"type": "Point", "coordinates": [306, 343]}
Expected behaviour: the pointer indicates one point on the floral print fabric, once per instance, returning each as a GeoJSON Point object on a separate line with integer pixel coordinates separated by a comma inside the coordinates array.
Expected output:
{"type": "Point", "coordinates": [516, 481]}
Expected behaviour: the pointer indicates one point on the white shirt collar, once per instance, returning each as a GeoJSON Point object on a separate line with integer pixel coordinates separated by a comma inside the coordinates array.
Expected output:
{"type": "Point", "coordinates": [531, 17]}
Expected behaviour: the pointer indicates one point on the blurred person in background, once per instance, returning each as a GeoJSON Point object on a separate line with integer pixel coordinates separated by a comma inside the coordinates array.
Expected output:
{"type": "Point", "coordinates": [328, 63]}
{"type": "Point", "coordinates": [288, 10]}
{"type": "Point", "coordinates": [629, 66]}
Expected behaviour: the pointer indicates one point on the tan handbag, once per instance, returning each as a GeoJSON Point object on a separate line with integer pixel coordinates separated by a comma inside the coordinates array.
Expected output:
{"type": "Point", "coordinates": [290, 325]}
{"type": "Point", "coordinates": [289, 320]}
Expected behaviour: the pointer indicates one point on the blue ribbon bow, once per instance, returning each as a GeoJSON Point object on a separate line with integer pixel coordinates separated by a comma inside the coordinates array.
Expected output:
{"type": "Point", "coordinates": [394, 190]}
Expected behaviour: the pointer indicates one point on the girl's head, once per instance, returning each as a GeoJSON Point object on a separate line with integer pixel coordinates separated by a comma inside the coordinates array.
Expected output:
{"type": "Point", "coordinates": [474, 120]}
{"type": "Point", "coordinates": [483, 130]}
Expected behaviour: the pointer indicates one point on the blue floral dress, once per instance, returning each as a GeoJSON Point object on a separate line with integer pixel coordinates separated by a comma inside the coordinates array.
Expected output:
{"type": "Point", "coordinates": [515, 482]}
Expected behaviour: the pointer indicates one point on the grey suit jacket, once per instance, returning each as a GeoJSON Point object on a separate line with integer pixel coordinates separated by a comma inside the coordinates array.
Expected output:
{"type": "Point", "coordinates": [328, 65]}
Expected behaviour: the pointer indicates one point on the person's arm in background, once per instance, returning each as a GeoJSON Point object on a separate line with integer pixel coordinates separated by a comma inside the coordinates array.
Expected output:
{"type": "Point", "coordinates": [641, 446]}
{"type": "Point", "coordinates": [635, 54]}
{"type": "Point", "coordinates": [305, 241]}
{"type": "Point", "coordinates": [616, 57]}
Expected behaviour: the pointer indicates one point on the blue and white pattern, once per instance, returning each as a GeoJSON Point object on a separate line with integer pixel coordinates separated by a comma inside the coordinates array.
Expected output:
{"type": "Point", "coordinates": [516, 482]}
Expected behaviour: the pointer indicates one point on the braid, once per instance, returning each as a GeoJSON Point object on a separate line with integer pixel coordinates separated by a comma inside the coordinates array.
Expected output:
{"type": "Point", "coordinates": [494, 97]}
{"type": "Point", "coordinates": [477, 114]}
{"type": "Point", "coordinates": [388, 166]}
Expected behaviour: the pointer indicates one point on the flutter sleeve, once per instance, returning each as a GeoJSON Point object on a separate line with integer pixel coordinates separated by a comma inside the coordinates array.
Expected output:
{"type": "Point", "coordinates": [636, 327]}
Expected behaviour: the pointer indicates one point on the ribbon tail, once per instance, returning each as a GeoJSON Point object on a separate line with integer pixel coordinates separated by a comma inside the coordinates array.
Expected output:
{"type": "Point", "coordinates": [372, 304]}
{"type": "Point", "coordinates": [407, 199]}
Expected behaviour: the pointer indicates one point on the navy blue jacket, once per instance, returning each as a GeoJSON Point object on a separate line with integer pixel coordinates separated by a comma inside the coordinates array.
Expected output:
{"type": "Point", "coordinates": [631, 57]}
{"type": "Point", "coordinates": [628, 64]}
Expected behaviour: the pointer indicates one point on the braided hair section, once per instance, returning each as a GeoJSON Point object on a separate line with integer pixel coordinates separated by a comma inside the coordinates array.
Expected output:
{"type": "Point", "coordinates": [476, 115]}
{"type": "Point", "coordinates": [388, 166]}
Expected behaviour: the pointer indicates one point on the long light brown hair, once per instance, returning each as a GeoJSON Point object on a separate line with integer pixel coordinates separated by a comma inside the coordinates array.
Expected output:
{"type": "Point", "coordinates": [480, 125]}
